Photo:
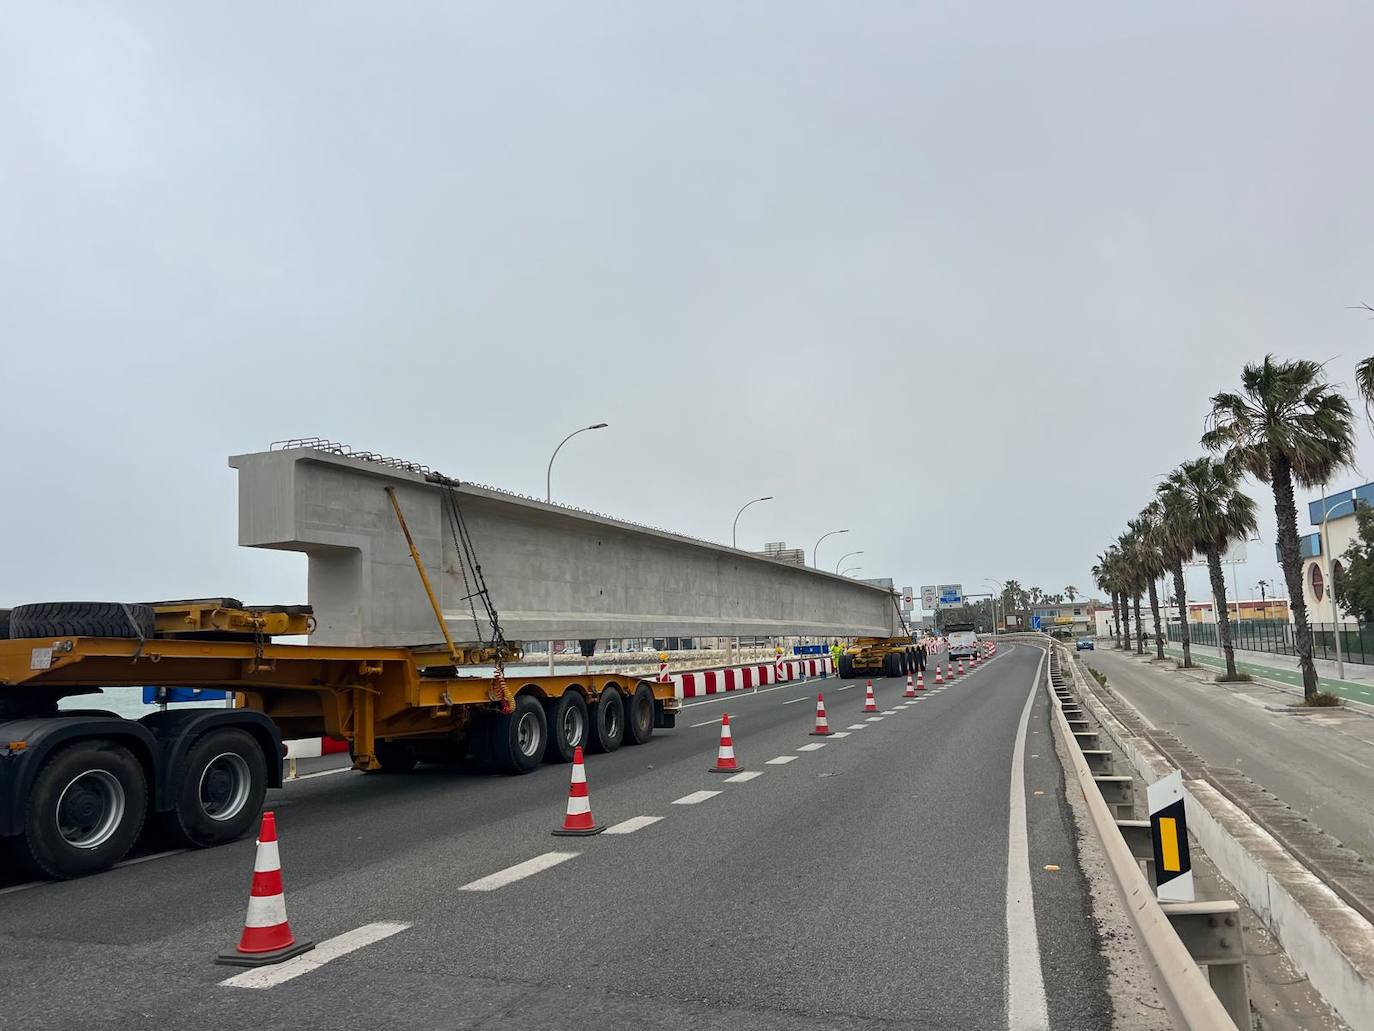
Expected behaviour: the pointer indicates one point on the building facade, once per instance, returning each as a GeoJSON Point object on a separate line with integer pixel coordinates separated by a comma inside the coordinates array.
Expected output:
{"type": "Point", "coordinates": [1322, 551]}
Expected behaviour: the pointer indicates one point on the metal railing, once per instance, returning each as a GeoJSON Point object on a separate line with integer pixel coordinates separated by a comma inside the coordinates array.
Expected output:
{"type": "Point", "coordinates": [1276, 637]}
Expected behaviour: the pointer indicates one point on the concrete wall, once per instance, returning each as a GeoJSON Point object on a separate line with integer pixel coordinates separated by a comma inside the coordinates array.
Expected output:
{"type": "Point", "coordinates": [553, 572]}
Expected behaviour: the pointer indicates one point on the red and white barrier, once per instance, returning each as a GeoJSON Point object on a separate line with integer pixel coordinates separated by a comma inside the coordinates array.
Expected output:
{"type": "Point", "coordinates": [314, 747]}
{"type": "Point", "coordinates": [739, 678]}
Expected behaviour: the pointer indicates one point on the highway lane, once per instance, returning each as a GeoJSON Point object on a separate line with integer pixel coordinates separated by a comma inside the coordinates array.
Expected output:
{"type": "Point", "coordinates": [863, 884]}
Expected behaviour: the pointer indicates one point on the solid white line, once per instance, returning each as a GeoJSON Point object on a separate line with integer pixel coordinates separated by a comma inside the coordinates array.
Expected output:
{"type": "Point", "coordinates": [744, 778]}
{"type": "Point", "coordinates": [333, 948]}
{"type": "Point", "coordinates": [1026, 1005]}
{"type": "Point", "coordinates": [634, 823]}
{"type": "Point", "coordinates": [695, 797]}
{"type": "Point", "coordinates": [812, 747]}
{"type": "Point", "coordinates": [780, 760]}
{"type": "Point", "coordinates": [706, 724]}
{"type": "Point", "coordinates": [518, 872]}
{"type": "Point", "coordinates": [839, 733]}
{"type": "Point", "coordinates": [127, 862]}
{"type": "Point", "coordinates": [794, 701]}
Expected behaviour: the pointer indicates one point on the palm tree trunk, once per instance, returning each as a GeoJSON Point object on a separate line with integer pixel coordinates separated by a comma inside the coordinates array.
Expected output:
{"type": "Point", "coordinates": [1223, 613]}
{"type": "Point", "coordinates": [1181, 595]}
{"type": "Point", "coordinates": [1139, 630]}
{"type": "Point", "coordinates": [1154, 611]}
{"type": "Point", "coordinates": [1286, 514]}
{"type": "Point", "coordinates": [1123, 619]}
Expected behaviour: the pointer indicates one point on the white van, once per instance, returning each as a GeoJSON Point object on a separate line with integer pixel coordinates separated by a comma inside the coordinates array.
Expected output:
{"type": "Point", "coordinates": [963, 641]}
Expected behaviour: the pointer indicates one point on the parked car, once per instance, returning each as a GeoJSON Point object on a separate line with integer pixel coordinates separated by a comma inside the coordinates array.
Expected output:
{"type": "Point", "coordinates": [1085, 644]}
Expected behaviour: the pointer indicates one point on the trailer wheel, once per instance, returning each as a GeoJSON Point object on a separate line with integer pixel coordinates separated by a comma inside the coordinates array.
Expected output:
{"type": "Point", "coordinates": [219, 788]}
{"type": "Point", "coordinates": [639, 716]}
{"type": "Point", "coordinates": [519, 739]}
{"type": "Point", "coordinates": [608, 721]}
{"type": "Point", "coordinates": [568, 721]}
{"type": "Point", "coordinates": [81, 619]}
{"type": "Point", "coordinates": [846, 666]}
{"type": "Point", "coordinates": [85, 810]}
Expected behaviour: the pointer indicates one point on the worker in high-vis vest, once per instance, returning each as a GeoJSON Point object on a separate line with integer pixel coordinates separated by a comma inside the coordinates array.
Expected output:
{"type": "Point", "coordinates": [836, 650]}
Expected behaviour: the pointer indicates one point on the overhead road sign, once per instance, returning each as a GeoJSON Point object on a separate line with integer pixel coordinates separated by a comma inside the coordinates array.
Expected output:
{"type": "Point", "coordinates": [1169, 836]}
{"type": "Point", "coordinates": [951, 595]}
{"type": "Point", "coordinates": [930, 598]}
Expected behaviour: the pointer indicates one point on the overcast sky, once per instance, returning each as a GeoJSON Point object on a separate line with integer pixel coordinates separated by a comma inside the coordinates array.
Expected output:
{"type": "Point", "coordinates": [959, 277]}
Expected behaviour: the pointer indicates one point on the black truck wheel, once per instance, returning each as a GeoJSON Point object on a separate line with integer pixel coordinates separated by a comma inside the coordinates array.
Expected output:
{"type": "Point", "coordinates": [86, 809]}
{"type": "Point", "coordinates": [568, 720]}
{"type": "Point", "coordinates": [639, 716]}
{"type": "Point", "coordinates": [608, 722]}
{"type": "Point", "coordinates": [519, 738]}
{"type": "Point", "coordinates": [846, 666]}
{"type": "Point", "coordinates": [219, 788]}
{"type": "Point", "coordinates": [81, 619]}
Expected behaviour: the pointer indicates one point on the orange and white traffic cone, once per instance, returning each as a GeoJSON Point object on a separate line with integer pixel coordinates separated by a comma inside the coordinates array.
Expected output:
{"type": "Point", "coordinates": [725, 755]}
{"type": "Point", "coordinates": [822, 724]}
{"type": "Point", "coordinates": [267, 937]}
{"type": "Point", "coordinates": [939, 677]}
{"type": "Point", "coordinates": [961, 667]}
{"type": "Point", "coordinates": [578, 821]}
{"type": "Point", "coordinates": [870, 703]}
{"type": "Point", "coordinates": [920, 680]}
{"type": "Point", "coordinates": [910, 687]}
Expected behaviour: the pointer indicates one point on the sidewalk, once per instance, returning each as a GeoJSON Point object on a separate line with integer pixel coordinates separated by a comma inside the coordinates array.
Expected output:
{"type": "Point", "coordinates": [1284, 670]}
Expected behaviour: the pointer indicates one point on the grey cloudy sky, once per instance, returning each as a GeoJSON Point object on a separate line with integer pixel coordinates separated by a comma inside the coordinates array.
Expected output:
{"type": "Point", "coordinates": [881, 260]}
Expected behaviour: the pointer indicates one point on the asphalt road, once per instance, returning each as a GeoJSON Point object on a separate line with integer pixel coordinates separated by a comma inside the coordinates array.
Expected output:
{"type": "Point", "coordinates": [1321, 764]}
{"type": "Point", "coordinates": [862, 884]}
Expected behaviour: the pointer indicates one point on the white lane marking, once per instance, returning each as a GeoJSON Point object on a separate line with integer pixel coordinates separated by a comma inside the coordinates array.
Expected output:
{"type": "Point", "coordinates": [874, 719]}
{"type": "Point", "coordinates": [634, 823]}
{"type": "Point", "coordinates": [857, 726]}
{"type": "Point", "coordinates": [813, 746]}
{"type": "Point", "coordinates": [1026, 1005]}
{"type": "Point", "coordinates": [706, 724]}
{"type": "Point", "coordinates": [794, 701]}
{"type": "Point", "coordinates": [744, 778]}
{"type": "Point", "coordinates": [891, 712]}
{"type": "Point", "coordinates": [839, 733]}
{"type": "Point", "coordinates": [518, 872]}
{"type": "Point", "coordinates": [127, 862]}
{"type": "Point", "coordinates": [321, 773]}
{"type": "Point", "coordinates": [846, 687]}
{"type": "Point", "coordinates": [695, 797]}
{"type": "Point", "coordinates": [330, 949]}
{"type": "Point", "coordinates": [780, 760]}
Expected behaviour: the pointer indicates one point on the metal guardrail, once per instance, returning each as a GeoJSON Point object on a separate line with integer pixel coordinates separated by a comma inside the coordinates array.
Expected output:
{"type": "Point", "coordinates": [1173, 938]}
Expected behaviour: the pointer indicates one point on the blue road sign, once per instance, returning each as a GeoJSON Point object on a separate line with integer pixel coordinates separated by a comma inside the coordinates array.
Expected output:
{"type": "Point", "coordinates": [1035, 622]}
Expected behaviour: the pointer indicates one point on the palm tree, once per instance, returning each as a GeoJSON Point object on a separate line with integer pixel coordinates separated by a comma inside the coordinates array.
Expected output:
{"type": "Point", "coordinates": [1133, 576]}
{"type": "Point", "coordinates": [1149, 531]}
{"type": "Point", "coordinates": [1035, 595]}
{"type": "Point", "coordinates": [1179, 538]}
{"type": "Point", "coordinates": [1219, 513]}
{"type": "Point", "coordinates": [1071, 592]}
{"type": "Point", "coordinates": [1288, 424]}
{"type": "Point", "coordinates": [1105, 573]}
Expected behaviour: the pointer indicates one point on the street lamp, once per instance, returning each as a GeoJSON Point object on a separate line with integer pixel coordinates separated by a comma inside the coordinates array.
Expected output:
{"type": "Point", "coordinates": [843, 557]}
{"type": "Point", "coordinates": [815, 552]}
{"type": "Point", "coordinates": [851, 569]}
{"type": "Point", "coordinates": [548, 476]}
{"type": "Point", "coordinates": [735, 526]}
{"type": "Point", "coordinates": [1002, 588]}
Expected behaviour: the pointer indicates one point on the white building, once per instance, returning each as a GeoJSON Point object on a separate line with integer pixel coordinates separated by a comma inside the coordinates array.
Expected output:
{"type": "Point", "coordinates": [1320, 563]}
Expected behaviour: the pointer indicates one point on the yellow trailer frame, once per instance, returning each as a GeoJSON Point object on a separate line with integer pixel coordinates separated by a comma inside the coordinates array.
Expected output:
{"type": "Point", "coordinates": [357, 694]}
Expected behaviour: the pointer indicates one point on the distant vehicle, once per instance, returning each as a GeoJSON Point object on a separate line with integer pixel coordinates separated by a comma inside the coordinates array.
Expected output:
{"type": "Point", "coordinates": [963, 642]}
{"type": "Point", "coordinates": [1085, 644]}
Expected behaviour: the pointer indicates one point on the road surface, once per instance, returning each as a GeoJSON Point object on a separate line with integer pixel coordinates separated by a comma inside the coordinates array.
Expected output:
{"type": "Point", "coordinates": [860, 884]}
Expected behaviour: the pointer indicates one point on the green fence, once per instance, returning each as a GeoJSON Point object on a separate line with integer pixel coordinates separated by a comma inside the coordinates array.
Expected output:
{"type": "Point", "coordinates": [1276, 636]}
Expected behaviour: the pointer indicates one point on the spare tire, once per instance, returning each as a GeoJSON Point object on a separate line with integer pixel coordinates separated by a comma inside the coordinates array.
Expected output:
{"type": "Point", "coordinates": [81, 619]}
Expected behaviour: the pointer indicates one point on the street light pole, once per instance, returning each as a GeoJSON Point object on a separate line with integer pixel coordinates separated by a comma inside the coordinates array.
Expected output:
{"type": "Point", "coordinates": [735, 526]}
{"type": "Point", "coordinates": [815, 552]}
{"type": "Point", "coordinates": [851, 569]}
{"type": "Point", "coordinates": [548, 475]}
{"type": "Point", "coordinates": [548, 492]}
{"type": "Point", "coordinates": [843, 557]}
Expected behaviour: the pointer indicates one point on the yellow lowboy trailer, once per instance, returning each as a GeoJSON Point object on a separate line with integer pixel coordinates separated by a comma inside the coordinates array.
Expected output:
{"type": "Point", "coordinates": [76, 785]}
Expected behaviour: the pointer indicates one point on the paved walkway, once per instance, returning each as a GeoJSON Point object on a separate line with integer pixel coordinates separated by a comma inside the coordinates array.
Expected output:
{"type": "Point", "coordinates": [1283, 669]}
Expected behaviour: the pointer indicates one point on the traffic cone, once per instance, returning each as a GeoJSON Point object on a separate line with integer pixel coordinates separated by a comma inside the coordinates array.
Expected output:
{"type": "Point", "coordinates": [961, 667]}
{"type": "Point", "coordinates": [939, 677]}
{"type": "Point", "coordinates": [910, 687]}
{"type": "Point", "coordinates": [920, 680]}
{"type": "Point", "coordinates": [267, 937]}
{"type": "Point", "coordinates": [578, 822]}
{"type": "Point", "coordinates": [822, 724]}
{"type": "Point", "coordinates": [725, 755]}
{"type": "Point", "coordinates": [870, 703]}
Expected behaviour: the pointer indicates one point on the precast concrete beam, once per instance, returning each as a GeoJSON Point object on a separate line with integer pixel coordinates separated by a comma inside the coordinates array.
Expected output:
{"type": "Point", "coordinates": [552, 572]}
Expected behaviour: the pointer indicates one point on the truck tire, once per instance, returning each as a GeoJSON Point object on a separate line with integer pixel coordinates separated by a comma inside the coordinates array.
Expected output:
{"type": "Point", "coordinates": [639, 716]}
{"type": "Point", "coordinates": [519, 738]}
{"type": "Point", "coordinates": [85, 810]}
{"type": "Point", "coordinates": [4, 624]}
{"type": "Point", "coordinates": [607, 727]}
{"type": "Point", "coordinates": [219, 787]}
{"type": "Point", "coordinates": [568, 718]}
{"type": "Point", "coordinates": [81, 619]}
{"type": "Point", "coordinates": [846, 666]}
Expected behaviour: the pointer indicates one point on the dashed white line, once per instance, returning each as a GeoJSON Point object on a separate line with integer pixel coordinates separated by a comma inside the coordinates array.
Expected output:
{"type": "Point", "coordinates": [857, 726]}
{"type": "Point", "coordinates": [333, 948]}
{"type": "Point", "coordinates": [780, 760]}
{"type": "Point", "coordinates": [634, 823]}
{"type": "Point", "coordinates": [743, 778]}
{"type": "Point", "coordinates": [839, 733]}
{"type": "Point", "coordinates": [846, 687]}
{"type": "Point", "coordinates": [706, 724]}
{"type": "Point", "coordinates": [874, 719]}
{"type": "Point", "coordinates": [794, 701]}
{"type": "Point", "coordinates": [695, 797]}
{"type": "Point", "coordinates": [813, 746]}
{"type": "Point", "coordinates": [518, 872]}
